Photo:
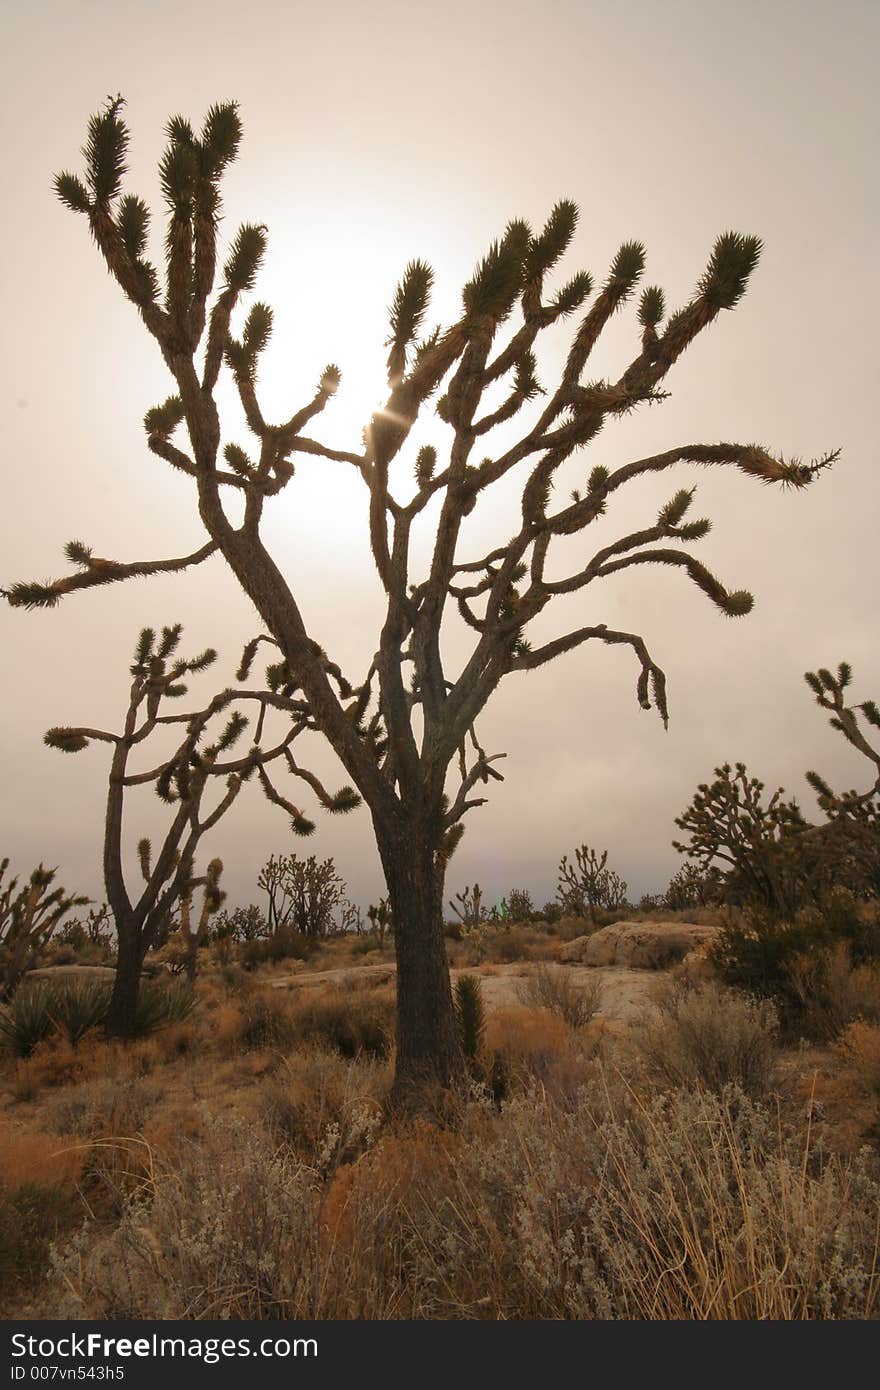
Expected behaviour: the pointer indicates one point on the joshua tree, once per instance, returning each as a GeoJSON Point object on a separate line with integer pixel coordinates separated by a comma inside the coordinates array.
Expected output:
{"type": "Point", "coordinates": [520, 907]}
{"type": "Point", "coordinates": [28, 917]}
{"type": "Point", "coordinates": [181, 780]}
{"type": "Point", "coordinates": [728, 821]}
{"type": "Point", "coordinates": [242, 924]}
{"type": "Point", "coordinates": [302, 894]}
{"type": "Point", "coordinates": [589, 884]}
{"type": "Point", "coordinates": [410, 719]}
{"type": "Point", "coordinates": [380, 919]}
{"type": "Point", "coordinates": [772, 855]}
{"type": "Point", "coordinates": [351, 919]}
{"type": "Point", "coordinates": [693, 887]}
{"type": "Point", "coordinates": [468, 906]}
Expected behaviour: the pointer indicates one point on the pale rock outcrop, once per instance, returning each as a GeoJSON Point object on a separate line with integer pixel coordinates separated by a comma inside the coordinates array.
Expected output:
{"type": "Point", "coordinates": [639, 945]}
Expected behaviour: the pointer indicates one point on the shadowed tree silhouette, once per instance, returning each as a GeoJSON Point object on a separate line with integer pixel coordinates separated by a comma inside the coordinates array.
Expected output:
{"type": "Point", "coordinates": [28, 916]}
{"type": "Point", "coordinates": [181, 779]}
{"type": "Point", "coordinates": [771, 854]}
{"type": "Point", "coordinates": [853, 817]}
{"type": "Point", "coordinates": [400, 731]}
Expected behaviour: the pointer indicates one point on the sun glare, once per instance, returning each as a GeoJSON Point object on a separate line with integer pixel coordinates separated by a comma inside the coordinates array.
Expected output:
{"type": "Point", "coordinates": [330, 273]}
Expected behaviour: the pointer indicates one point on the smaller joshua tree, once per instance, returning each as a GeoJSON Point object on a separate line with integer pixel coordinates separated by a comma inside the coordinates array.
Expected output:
{"type": "Point", "coordinates": [772, 856]}
{"type": "Point", "coordinates": [213, 898]}
{"type": "Point", "coordinates": [520, 907]}
{"type": "Point", "coordinates": [854, 817]}
{"type": "Point", "coordinates": [28, 916]}
{"type": "Point", "coordinates": [181, 780]}
{"type": "Point", "coordinates": [729, 821]}
{"type": "Point", "coordinates": [692, 887]}
{"type": "Point", "coordinates": [589, 884]}
{"type": "Point", "coordinates": [242, 924]}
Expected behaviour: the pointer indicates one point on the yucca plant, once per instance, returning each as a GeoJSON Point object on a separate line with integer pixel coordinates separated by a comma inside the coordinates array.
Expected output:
{"type": "Point", "coordinates": [25, 1020]}
{"type": "Point", "coordinates": [69, 1007]}
{"type": "Point", "coordinates": [471, 1014]}
{"type": "Point", "coordinates": [78, 1005]}
{"type": "Point", "coordinates": [161, 1004]}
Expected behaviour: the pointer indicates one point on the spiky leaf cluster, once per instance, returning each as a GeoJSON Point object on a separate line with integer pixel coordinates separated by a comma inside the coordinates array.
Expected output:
{"type": "Point", "coordinates": [572, 294]}
{"type": "Point", "coordinates": [245, 255]}
{"type": "Point", "coordinates": [406, 314]}
{"type": "Point", "coordinates": [162, 420]}
{"type": "Point", "coordinates": [652, 306]}
{"type": "Point", "coordinates": [105, 151]}
{"type": "Point", "coordinates": [66, 740]}
{"type": "Point", "coordinates": [470, 1013]}
{"type": "Point", "coordinates": [495, 285]}
{"type": "Point", "coordinates": [546, 249]}
{"type": "Point", "coordinates": [733, 259]}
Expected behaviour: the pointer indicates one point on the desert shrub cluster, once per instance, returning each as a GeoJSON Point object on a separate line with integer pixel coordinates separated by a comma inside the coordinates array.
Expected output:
{"type": "Point", "coordinates": [711, 1037]}
{"type": "Point", "coordinates": [245, 1161]}
{"type": "Point", "coordinates": [690, 1204]}
{"type": "Point", "coordinates": [820, 967]}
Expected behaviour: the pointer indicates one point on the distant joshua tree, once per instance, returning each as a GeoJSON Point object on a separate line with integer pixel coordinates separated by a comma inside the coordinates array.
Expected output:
{"type": "Point", "coordinates": [400, 729]}
{"type": "Point", "coordinates": [693, 886]}
{"type": "Point", "coordinates": [588, 884]}
{"type": "Point", "coordinates": [520, 907]}
{"type": "Point", "coordinates": [468, 906]}
{"type": "Point", "coordinates": [380, 919]}
{"type": "Point", "coordinates": [302, 894]}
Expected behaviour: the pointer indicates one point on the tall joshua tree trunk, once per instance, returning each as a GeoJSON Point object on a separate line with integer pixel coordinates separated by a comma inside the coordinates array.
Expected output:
{"type": "Point", "coordinates": [428, 1047]}
{"type": "Point", "coordinates": [119, 1021]}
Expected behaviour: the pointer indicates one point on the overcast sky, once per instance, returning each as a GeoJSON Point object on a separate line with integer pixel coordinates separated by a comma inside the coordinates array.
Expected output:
{"type": "Point", "coordinates": [374, 133]}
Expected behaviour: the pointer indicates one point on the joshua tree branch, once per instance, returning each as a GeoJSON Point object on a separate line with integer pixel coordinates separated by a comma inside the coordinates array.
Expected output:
{"type": "Point", "coordinates": [97, 571]}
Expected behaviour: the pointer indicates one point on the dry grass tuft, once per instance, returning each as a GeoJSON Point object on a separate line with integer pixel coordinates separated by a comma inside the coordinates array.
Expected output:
{"type": "Point", "coordinates": [551, 987]}
{"type": "Point", "coordinates": [38, 1200]}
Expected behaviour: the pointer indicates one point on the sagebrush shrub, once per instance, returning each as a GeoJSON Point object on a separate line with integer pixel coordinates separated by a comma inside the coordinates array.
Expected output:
{"type": "Point", "coordinates": [710, 1036]}
{"type": "Point", "coordinates": [551, 987]}
{"type": "Point", "coordinates": [285, 943]}
{"type": "Point", "coordinates": [353, 1023]}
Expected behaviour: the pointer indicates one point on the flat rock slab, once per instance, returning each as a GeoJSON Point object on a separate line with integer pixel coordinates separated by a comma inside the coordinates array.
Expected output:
{"type": "Point", "coordinates": [639, 945]}
{"type": "Point", "coordinates": [347, 977]}
{"type": "Point", "coordinates": [72, 972]}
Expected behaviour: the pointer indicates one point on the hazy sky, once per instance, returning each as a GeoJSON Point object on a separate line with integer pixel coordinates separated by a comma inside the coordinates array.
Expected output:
{"type": "Point", "coordinates": [375, 133]}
